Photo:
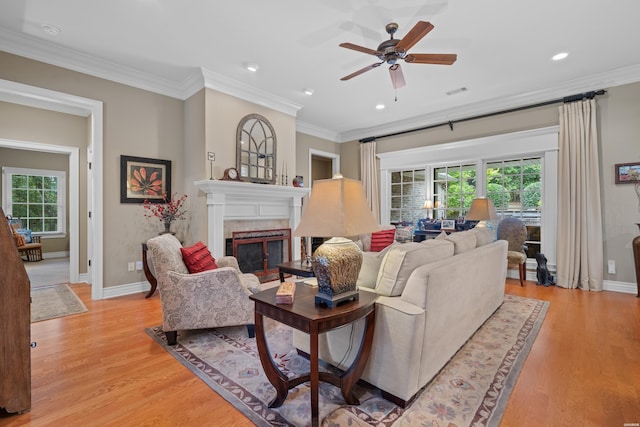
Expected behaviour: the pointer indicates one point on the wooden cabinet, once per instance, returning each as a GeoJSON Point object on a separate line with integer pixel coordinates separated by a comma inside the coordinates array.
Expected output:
{"type": "Point", "coordinates": [15, 326]}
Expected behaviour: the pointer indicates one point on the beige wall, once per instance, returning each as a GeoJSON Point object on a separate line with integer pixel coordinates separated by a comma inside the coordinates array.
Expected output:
{"type": "Point", "coordinates": [28, 124]}
{"type": "Point", "coordinates": [136, 123]}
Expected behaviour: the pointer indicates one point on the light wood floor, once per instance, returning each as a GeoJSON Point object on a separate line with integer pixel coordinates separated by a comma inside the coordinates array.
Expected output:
{"type": "Point", "coordinates": [100, 368]}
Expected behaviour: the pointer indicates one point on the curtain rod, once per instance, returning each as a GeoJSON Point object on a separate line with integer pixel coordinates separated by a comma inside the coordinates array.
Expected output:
{"type": "Point", "coordinates": [566, 99]}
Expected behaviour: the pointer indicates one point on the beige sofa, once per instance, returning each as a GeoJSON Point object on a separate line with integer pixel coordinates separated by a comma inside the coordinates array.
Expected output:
{"type": "Point", "coordinates": [433, 296]}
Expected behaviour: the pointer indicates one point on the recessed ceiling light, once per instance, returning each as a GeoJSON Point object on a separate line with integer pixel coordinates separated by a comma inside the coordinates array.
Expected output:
{"type": "Point", "coordinates": [252, 67]}
{"type": "Point", "coordinates": [308, 91]}
{"type": "Point", "coordinates": [380, 107]}
{"type": "Point", "coordinates": [559, 56]}
{"type": "Point", "coordinates": [52, 30]}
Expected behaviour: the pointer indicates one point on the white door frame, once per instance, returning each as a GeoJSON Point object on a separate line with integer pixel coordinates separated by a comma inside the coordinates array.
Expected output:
{"type": "Point", "coordinates": [335, 161]}
{"type": "Point", "coordinates": [33, 96]}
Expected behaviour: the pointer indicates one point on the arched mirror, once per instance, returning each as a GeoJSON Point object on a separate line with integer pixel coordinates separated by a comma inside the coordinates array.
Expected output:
{"type": "Point", "coordinates": [256, 149]}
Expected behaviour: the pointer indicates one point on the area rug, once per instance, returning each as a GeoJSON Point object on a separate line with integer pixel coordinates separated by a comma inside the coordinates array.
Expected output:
{"type": "Point", "coordinates": [48, 302]}
{"type": "Point", "coordinates": [471, 390]}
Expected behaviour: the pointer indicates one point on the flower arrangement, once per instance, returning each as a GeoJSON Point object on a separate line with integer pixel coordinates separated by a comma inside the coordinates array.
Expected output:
{"type": "Point", "coordinates": [170, 210]}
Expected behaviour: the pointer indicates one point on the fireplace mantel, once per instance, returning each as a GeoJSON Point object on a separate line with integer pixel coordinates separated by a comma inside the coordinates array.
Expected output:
{"type": "Point", "coordinates": [232, 200]}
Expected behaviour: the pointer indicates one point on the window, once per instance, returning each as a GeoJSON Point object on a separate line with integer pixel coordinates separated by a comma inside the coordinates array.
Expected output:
{"type": "Point", "coordinates": [36, 197]}
{"type": "Point", "coordinates": [454, 188]}
{"type": "Point", "coordinates": [515, 187]}
{"type": "Point", "coordinates": [407, 195]}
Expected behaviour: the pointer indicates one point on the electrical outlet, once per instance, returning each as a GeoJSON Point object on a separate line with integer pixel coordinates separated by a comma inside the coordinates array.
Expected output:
{"type": "Point", "coordinates": [131, 266]}
{"type": "Point", "coordinates": [138, 265]}
{"type": "Point", "coordinates": [612, 266]}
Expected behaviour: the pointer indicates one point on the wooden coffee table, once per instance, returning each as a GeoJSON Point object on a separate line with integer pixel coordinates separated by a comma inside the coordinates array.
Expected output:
{"type": "Point", "coordinates": [313, 319]}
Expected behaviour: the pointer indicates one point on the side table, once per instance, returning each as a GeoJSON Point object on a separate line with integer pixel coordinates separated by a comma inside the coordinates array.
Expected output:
{"type": "Point", "coordinates": [297, 268]}
{"type": "Point", "coordinates": [313, 319]}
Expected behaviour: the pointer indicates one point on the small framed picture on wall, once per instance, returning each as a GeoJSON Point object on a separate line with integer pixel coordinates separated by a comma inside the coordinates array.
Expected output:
{"type": "Point", "coordinates": [143, 179]}
{"type": "Point", "coordinates": [627, 173]}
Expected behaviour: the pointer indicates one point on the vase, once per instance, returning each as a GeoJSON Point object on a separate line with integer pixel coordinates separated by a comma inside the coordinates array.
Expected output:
{"type": "Point", "coordinates": [167, 228]}
{"type": "Point", "coordinates": [298, 181]}
{"type": "Point", "coordinates": [636, 259]}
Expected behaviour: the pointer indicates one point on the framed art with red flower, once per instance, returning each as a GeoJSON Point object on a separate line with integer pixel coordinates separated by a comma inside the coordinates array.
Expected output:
{"type": "Point", "coordinates": [143, 179]}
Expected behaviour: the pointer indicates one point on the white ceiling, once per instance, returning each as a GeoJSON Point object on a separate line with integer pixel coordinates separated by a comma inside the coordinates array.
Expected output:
{"type": "Point", "coordinates": [174, 47]}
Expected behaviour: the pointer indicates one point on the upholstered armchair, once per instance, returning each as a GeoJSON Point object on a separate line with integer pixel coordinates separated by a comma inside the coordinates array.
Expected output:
{"type": "Point", "coordinates": [514, 231]}
{"type": "Point", "coordinates": [208, 299]}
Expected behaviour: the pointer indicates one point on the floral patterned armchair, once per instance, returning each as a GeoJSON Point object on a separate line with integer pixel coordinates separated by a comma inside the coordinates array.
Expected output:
{"type": "Point", "coordinates": [208, 299]}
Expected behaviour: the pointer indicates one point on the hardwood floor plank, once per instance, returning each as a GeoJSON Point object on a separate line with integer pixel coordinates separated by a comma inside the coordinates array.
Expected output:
{"type": "Point", "coordinates": [100, 368]}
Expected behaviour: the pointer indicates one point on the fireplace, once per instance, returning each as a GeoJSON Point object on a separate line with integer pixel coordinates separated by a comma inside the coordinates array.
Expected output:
{"type": "Point", "coordinates": [244, 202]}
{"type": "Point", "coordinates": [260, 251]}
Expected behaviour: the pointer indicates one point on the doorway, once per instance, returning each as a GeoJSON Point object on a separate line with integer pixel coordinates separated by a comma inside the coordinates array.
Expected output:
{"type": "Point", "coordinates": [36, 97]}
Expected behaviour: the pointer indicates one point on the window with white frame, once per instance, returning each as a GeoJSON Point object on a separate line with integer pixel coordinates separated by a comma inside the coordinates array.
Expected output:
{"type": "Point", "coordinates": [515, 187]}
{"type": "Point", "coordinates": [36, 197]}
{"type": "Point", "coordinates": [407, 196]}
{"type": "Point", "coordinates": [517, 170]}
{"type": "Point", "coordinates": [454, 188]}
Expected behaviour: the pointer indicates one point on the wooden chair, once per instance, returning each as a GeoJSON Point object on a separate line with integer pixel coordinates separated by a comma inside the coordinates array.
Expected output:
{"type": "Point", "coordinates": [33, 250]}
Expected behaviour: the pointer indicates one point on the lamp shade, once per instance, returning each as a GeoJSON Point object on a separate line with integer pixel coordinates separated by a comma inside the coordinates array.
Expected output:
{"type": "Point", "coordinates": [337, 207]}
{"type": "Point", "coordinates": [428, 204]}
{"type": "Point", "coordinates": [482, 209]}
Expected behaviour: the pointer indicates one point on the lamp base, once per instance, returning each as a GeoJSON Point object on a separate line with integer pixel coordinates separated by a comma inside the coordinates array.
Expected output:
{"type": "Point", "coordinates": [333, 300]}
{"type": "Point", "coordinates": [336, 264]}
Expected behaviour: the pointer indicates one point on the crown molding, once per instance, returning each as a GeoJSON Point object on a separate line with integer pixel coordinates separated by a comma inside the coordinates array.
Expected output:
{"type": "Point", "coordinates": [50, 53]}
{"type": "Point", "coordinates": [248, 93]}
{"type": "Point", "coordinates": [614, 78]}
{"type": "Point", "coordinates": [313, 130]}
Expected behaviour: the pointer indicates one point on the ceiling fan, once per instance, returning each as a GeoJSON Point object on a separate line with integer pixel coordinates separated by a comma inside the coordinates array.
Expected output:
{"type": "Point", "coordinates": [393, 50]}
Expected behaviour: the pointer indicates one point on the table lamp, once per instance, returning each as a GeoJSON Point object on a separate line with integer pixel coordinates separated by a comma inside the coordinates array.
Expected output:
{"type": "Point", "coordinates": [337, 208]}
{"type": "Point", "coordinates": [481, 210]}
{"type": "Point", "coordinates": [428, 205]}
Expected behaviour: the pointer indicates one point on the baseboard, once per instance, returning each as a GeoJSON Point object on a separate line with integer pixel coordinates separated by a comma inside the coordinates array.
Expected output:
{"type": "Point", "coordinates": [624, 287]}
{"type": "Point", "coordinates": [83, 278]}
{"type": "Point", "coordinates": [607, 285]}
{"type": "Point", "coordinates": [126, 289]}
{"type": "Point", "coordinates": [49, 255]}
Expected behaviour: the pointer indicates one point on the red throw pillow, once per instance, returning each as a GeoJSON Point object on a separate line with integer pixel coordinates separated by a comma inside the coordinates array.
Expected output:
{"type": "Point", "coordinates": [197, 258]}
{"type": "Point", "coordinates": [381, 239]}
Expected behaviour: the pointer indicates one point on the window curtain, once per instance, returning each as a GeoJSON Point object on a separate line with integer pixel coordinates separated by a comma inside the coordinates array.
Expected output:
{"type": "Point", "coordinates": [580, 254]}
{"type": "Point", "coordinates": [369, 177]}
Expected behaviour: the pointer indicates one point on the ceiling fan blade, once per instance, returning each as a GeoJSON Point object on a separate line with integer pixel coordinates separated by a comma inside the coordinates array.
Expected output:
{"type": "Point", "coordinates": [397, 77]}
{"type": "Point", "coordinates": [418, 31]}
{"type": "Point", "coordinates": [360, 49]}
{"type": "Point", "coordinates": [363, 70]}
{"type": "Point", "coordinates": [431, 58]}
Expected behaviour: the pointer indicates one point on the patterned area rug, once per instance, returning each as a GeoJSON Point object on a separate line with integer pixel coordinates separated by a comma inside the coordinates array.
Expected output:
{"type": "Point", "coordinates": [471, 390]}
{"type": "Point", "coordinates": [48, 302]}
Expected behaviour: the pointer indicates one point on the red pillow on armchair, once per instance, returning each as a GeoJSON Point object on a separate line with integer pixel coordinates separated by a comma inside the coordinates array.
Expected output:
{"type": "Point", "coordinates": [198, 258]}
{"type": "Point", "coordinates": [381, 239]}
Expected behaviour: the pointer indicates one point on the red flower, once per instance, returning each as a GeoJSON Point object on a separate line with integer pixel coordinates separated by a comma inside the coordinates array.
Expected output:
{"type": "Point", "coordinates": [167, 212]}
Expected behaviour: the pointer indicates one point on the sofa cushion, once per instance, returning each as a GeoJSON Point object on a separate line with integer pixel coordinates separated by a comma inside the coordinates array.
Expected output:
{"type": "Point", "coordinates": [198, 258]}
{"type": "Point", "coordinates": [484, 236]}
{"type": "Point", "coordinates": [370, 266]}
{"type": "Point", "coordinates": [400, 261]}
{"type": "Point", "coordinates": [19, 239]}
{"type": "Point", "coordinates": [381, 239]}
{"type": "Point", "coordinates": [463, 241]}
